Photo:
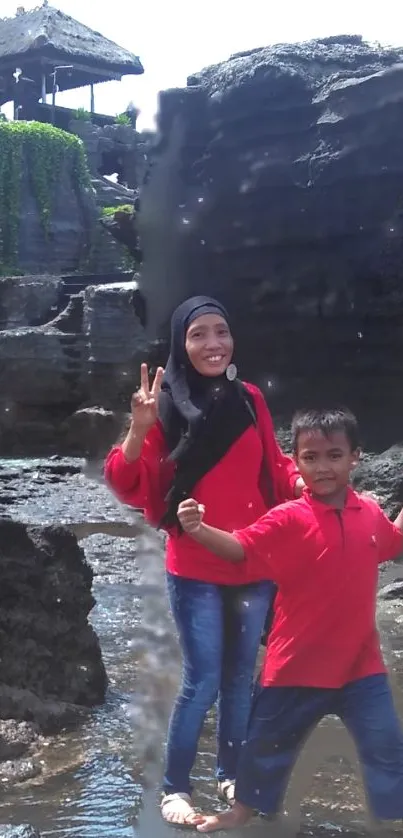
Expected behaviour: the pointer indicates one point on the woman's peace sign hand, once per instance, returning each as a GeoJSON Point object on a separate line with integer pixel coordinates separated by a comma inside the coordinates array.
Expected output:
{"type": "Point", "coordinates": [144, 404]}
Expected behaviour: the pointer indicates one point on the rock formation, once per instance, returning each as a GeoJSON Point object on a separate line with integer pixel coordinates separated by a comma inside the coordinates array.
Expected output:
{"type": "Point", "coordinates": [50, 662]}
{"type": "Point", "coordinates": [279, 178]}
{"type": "Point", "coordinates": [275, 184]}
{"type": "Point", "coordinates": [111, 149]}
{"type": "Point", "coordinates": [87, 356]}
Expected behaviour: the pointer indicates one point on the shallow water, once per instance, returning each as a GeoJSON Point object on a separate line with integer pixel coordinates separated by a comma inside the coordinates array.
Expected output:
{"type": "Point", "coordinates": [93, 778]}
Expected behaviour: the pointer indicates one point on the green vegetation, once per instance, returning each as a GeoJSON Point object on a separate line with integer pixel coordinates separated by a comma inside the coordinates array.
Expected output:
{"type": "Point", "coordinates": [123, 119]}
{"type": "Point", "coordinates": [41, 152]}
{"type": "Point", "coordinates": [107, 211]}
{"type": "Point", "coordinates": [82, 115]}
{"type": "Point", "coordinates": [128, 261]}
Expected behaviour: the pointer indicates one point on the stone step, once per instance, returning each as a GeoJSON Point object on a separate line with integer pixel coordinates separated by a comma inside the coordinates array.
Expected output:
{"type": "Point", "coordinates": [76, 283]}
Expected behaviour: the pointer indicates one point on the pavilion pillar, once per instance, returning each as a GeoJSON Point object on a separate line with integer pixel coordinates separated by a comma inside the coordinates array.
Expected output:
{"type": "Point", "coordinates": [43, 96]}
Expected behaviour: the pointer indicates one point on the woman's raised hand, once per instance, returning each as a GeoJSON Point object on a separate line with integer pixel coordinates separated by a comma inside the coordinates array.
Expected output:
{"type": "Point", "coordinates": [144, 404]}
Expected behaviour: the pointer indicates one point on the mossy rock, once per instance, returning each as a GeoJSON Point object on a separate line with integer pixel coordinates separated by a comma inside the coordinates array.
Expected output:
{"type": "Point", "coordinates": [43, 173]}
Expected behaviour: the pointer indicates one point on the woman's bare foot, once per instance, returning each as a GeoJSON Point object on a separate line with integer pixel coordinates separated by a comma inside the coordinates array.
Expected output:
{"type": "Point", "coordinates": [178, 810]}
{"type": "Point", "coordinates": [238, 815]}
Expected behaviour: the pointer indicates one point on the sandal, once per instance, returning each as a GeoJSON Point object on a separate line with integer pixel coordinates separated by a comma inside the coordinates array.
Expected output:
{"type": "Point", "coordinates": [177, 810]}
{"type": "Point", "coordinates": [226, 791]}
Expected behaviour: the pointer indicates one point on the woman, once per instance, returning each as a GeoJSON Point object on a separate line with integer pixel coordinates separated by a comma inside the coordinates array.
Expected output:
{"type": "Point", "coordinates": [199, 431]}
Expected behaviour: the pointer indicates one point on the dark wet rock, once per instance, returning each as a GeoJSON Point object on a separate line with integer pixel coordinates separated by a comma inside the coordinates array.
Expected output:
{"type": "Point", "coordinates": [37, 498]}
{"type": "Point", "coordinates": [394, 590]}
{"type": "Point", "coordinates": [59, 466]}
{"type": "Point", "coordinates": [22, 831]}
{"type": "Point", "coordinates": [382, 474]}
{"type": "Point", "coordinates": [18, 771]}
{"type": "Point", "coordinates": [16, 738]}
{"type": "Point", "coordinates": [50, 663]}
{"type": "Point", "coordinates": [92, 431]}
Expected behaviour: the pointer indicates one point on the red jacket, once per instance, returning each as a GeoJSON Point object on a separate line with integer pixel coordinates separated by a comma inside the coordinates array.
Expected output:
{"type": "Point", "coordinates": [325, 563]}
{"type": "Point", "coordinates": [233, 492]}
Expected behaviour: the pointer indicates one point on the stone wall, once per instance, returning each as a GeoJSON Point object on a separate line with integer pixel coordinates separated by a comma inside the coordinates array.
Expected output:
{"type": "Point", "coordinates": [110, 149]}
{"type": "Point", "coordinates": [70, 367]}
{"type": "Point", "coordinates": [28, 300]}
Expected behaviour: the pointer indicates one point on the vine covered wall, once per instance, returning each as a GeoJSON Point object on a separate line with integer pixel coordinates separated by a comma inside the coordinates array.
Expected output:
{"type": "Point", "coordinates": [42, 151]}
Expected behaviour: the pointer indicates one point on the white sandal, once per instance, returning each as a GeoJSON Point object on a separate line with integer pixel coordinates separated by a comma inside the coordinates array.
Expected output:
{"type": "Point", "coordinates": [179, 805]}
{"type": "Point", "coordinates": [226, 791]}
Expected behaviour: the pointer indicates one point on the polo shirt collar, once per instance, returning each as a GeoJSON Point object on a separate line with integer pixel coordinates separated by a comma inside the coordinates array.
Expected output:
{"type": "Point", "coordinates": [353, 501]}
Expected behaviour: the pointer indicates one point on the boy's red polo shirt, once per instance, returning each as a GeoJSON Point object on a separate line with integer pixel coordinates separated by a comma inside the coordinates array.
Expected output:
{"type": "Point", "coordinates": [325, 562]}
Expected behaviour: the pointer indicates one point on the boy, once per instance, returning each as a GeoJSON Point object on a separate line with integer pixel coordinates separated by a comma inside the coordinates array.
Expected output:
{"type": "Point", "coordinates": [323, 655]}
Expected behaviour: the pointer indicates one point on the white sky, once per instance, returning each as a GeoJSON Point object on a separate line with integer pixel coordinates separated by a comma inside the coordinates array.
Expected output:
{"type": "Point", "coordinates": [175, 38]}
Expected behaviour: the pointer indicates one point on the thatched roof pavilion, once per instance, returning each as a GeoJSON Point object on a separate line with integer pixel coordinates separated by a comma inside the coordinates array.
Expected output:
{"type": "Point", "coordinates": [43, 40]}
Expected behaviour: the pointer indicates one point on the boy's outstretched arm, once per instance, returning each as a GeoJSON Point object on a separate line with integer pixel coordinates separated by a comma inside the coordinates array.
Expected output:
{"type": "Point", "coordinates": [223, 544]}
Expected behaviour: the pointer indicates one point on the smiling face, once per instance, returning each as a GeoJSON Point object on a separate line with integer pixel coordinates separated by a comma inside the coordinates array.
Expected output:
{"type": "Point", "coordinates": [209, 345]}
{"type": "Point", "coordinates": [325, 462]}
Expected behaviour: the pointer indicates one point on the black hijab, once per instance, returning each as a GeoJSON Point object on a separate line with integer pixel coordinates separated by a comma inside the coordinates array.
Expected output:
{"type": "Point", "coordinates": [202, 417]}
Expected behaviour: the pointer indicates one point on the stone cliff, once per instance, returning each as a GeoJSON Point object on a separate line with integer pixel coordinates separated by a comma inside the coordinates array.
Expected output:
{"type": "Point", "coordinates": [279, 175]}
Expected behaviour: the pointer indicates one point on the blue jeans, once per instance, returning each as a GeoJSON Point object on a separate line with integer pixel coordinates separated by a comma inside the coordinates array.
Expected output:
{"type": "Point", "coordinates": [282, 719]}
{"type": "Point", "coordinates": [219, 630]}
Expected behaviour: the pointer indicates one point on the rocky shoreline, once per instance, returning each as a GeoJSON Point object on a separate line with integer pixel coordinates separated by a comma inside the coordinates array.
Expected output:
{"type": "Point", "coordinates": [35, 492]}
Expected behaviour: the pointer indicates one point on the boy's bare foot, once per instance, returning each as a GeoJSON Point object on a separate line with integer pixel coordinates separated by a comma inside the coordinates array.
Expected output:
{"type": "Point", "coordinates": [238, 815]}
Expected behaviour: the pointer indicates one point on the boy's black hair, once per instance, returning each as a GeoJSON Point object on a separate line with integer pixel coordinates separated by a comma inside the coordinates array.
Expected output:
{"type": "Point", "coordinates": [327, 421]}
